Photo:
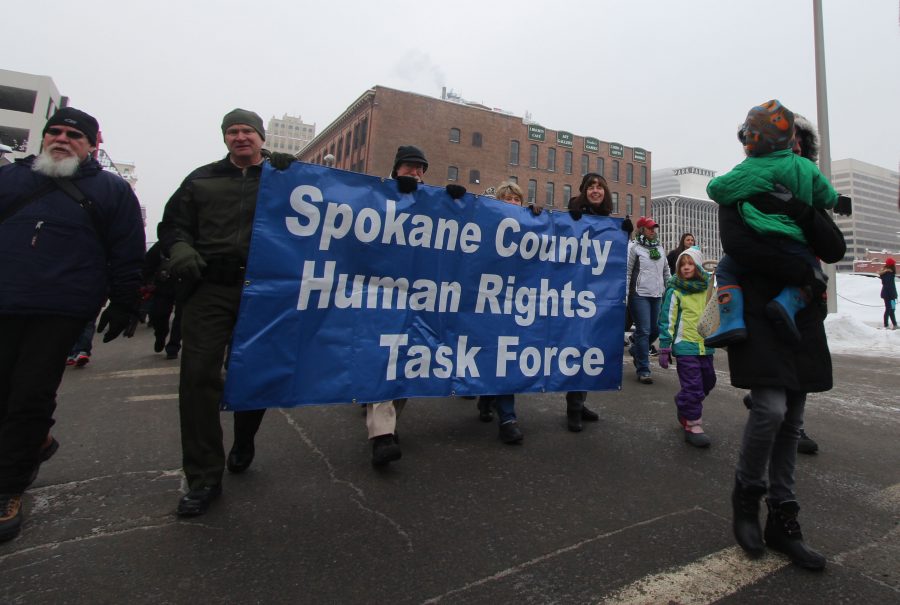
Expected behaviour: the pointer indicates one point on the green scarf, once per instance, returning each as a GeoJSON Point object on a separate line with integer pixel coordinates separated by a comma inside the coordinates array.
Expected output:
{"type": "Point", "coordinates": [652, 246]}
{"type": "Point", "coordinates": [690, 285]}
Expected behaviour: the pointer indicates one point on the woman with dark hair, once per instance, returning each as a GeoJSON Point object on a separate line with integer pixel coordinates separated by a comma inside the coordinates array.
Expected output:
{"type": "Point", "coordinates": [687, 241]}
{"type": "Point", "coordinates": [888, 277]}
{"type": "Point", "coordinates": [594, 199]}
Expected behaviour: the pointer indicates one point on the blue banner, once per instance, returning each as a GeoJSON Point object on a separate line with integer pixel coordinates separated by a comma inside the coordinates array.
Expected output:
{"type": "Point", "coordinates": [358, 293]}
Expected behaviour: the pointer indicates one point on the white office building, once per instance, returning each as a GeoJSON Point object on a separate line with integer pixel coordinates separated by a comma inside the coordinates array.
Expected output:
{"type": "Point", "coordinates": [875, 222]}
{"type": "Point", "coordinates": [26, 101]}
{"type": "Point", "coordinates": [680, 205]}
{"type": "Point", "coordinates": [288, 134]}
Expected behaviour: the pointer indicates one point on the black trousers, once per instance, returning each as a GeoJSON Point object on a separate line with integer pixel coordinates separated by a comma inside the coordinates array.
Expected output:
{"type": "Point", "coordinates": [209, 318]}
{"type": "Point", "coordinates": [33, 351]}
{"type": "Point", "coordinates": [161, 306]}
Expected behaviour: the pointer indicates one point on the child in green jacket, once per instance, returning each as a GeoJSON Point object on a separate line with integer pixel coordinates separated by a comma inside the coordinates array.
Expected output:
{"type": "Point", "coordinates": [681, 309]}
{"type": "Point", "coordinates": [772, 167]}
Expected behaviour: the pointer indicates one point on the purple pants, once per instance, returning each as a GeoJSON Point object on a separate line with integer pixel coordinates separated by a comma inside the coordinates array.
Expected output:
{"type": "Point", "coordinates": [698, 377]}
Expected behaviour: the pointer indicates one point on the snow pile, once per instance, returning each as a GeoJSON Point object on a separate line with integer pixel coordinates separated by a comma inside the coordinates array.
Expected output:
{"type": "Point", "coordinates": [856, 328]}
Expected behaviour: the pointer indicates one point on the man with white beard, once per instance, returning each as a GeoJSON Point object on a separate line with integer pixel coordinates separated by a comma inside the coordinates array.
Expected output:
{"type": "Point", "coordinates": [71, 237]}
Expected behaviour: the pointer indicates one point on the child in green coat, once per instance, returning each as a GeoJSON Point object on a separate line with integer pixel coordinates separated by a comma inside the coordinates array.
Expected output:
{"type": "Point", "coordinates": [771, 167]}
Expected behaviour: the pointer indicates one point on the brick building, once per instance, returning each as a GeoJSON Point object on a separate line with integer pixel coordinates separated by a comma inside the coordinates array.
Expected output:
{"type": "Point", "coordinates": [479, 147]}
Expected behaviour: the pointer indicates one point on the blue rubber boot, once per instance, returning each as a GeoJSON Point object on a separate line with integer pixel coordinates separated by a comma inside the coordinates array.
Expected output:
{"type": "Point", "coordinates": [783, 308]}
{"type": "Point", "coordinates": [732, 329]}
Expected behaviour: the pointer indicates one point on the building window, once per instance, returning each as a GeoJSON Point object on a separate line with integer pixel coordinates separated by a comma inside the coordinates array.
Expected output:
{"type": "Point", "coordinates": [567, 162]}
{"type": "Point", "coordinates": [340, 148]}
{"type": "Point", "coordinates": [585, 164]}
{"type": "Point", "coordinates": [331, 150]}
{"type": "Point", "coordinates": [643, 206]}
{"type": "Point", "coordinates": [643, 176]}
{"type": "Point", "coordinates": [356, 136]}
{"type": "Point", "coordinates": [474, 177]}
{"type": "Point", "coordinates": [567, 194]}
{"type": "Point", "coordinates": [629, 203]}
{"type": "Point", "coordinates": [533, 158]}
{"type": "Point", "coordinates": [551, 159]}
{"type": "Point", "coordinates": [532, 191]}
{"type": "Point", "coordinates": [454, 135]}
{"type": "Point", "coordinates": [550, 191]}
{"type": "Point", "coordinates": [347, 145]}
{"type": "Point", "coordinates": [363, 129]}
{"type": "Point", "coordinates": [601, 167]}
{"type": "Point", "coordinates": [513, 179]}
{"type": "Point", "coordinates": [615, 203]}
{"type": "Point", "coordinates": [615, 170]}
{"type": "Point", "coordinates": [452, 173]}
{"type": "Point", "coordinates": [476, 139]}
{"type": "Point", "coordinates": [629, 173]}
{"type": "Point", "coordinates": [514, 153]}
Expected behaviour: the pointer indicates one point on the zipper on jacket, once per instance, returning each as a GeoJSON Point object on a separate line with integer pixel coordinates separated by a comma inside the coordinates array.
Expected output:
{"type": "Point", "coordinates": [37, 231]}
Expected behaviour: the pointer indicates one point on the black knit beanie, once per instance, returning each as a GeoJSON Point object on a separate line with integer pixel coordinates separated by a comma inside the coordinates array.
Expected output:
{"type": "Point", "coordinates": [410, 154]}
{"type": "Point", "coordinates": [243, 116]}
{"type": "Point", "coordinates": [77, 119]}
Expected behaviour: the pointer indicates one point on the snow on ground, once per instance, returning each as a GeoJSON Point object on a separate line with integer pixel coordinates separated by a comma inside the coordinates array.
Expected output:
{"type": "Point", "coordinates": [856, 328]}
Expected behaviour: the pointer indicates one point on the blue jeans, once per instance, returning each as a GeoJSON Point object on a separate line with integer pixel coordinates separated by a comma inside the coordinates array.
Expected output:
{"type": "Point", "coordinates": [645, 313]}
{"type": "Point", "coordinates": [770, 441]}
{"type": "Point", "coordinates": [504, 405]}
{"type": "Point", "coordinates": [85, 339]}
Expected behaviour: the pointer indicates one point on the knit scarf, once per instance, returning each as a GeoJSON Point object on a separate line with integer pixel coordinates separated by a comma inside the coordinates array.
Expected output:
{"type": "Point", "coordinates": [652, 246]}
{"type": "Point", "coordinates": [689, 286]}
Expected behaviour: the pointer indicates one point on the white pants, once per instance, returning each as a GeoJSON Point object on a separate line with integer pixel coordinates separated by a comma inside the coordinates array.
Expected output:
{"type": "Point", "coordinates": [381, 417]}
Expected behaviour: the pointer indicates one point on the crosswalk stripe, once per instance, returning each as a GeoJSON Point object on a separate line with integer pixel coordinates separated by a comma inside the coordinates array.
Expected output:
{"type": "Point", "coordinates": [701, 582]}
{"type": "Point", "coordinates": [159, 397]}
{"type": "Point", "coordinates": [137, 373]}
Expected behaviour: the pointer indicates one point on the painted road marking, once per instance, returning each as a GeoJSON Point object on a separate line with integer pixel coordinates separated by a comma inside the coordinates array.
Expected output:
{"type": "Point", "coordinates": [137, 373]}
{"type": "Point", "coordinates": [159, 397]}
{"type": "Point", "coordinates": [704, 581]}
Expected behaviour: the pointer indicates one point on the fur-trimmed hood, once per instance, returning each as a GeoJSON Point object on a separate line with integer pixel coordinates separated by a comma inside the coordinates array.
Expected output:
{"type": "Point", "coordinates": [809, 137]}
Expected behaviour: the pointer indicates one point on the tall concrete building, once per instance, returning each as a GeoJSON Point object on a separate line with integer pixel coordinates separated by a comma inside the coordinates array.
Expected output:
{"type": "Point", "coordinates": [26, 101]}
{"type": "Point", "coordinates": [288, 134]}
{"type": "Point", "coordinates": [478, 147]}
{"type": "Point", "coordinates": [680, 205]}
{"type": "Point", "coordinates": [875, 222]}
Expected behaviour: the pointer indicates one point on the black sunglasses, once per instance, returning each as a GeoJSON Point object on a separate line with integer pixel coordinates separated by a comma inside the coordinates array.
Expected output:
{"type": "Point", "coordinates": [70, 134]}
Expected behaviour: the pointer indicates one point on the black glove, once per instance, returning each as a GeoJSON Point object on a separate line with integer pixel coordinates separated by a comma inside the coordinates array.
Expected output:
{"type": "Point", "coordinates": [844, 206]}
{"type": "Point", "coordinates": [281, 161]}
{"type": "Point", "coordinates": [407, 184]}
{"type": "Point", "coordinates": [575, 214]}
{"type": "Point", "coordinates": [121, 319]}
{"type": "Point", "coordinates": [186, 262]}
{"type": "Point", "coordinates": [455, 191]}
{"type": "Point", "coordinates": [535, 209]}
{"type": "Point", "coordinates": [627, 226]}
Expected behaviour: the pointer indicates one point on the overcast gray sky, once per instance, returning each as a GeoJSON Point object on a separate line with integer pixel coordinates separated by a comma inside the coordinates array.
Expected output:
{"type": "Point", "coordinates": [676, 78]}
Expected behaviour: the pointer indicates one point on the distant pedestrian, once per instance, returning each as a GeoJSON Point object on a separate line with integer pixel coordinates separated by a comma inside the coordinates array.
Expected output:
{"type": "Point", "coordinates": [71, 238]}
{"type": "Point", "coordinates": [80, 355]}
{"type": "Point", "coordinates": [888, 277]}
{"type": "Point", "coordinates": [680, 312]}
{"type": "Point", "coordinates": [686, 241]}
{"type": "Point", "coordinates": [648, 267]}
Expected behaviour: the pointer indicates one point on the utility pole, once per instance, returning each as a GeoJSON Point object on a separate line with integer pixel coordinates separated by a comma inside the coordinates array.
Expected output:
{"type": "Point", "coordinates": [824, 134]}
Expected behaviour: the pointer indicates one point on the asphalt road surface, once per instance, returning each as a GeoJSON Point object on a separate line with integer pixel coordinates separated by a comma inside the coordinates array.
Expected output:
{"type": "Point", "coordinates": [624, 512]}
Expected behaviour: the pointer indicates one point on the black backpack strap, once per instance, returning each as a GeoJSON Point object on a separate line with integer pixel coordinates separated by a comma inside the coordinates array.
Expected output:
{"type": "Point", "coordinates": [26, 199]}
{"type": "Point", "coordinates": [72, 190]}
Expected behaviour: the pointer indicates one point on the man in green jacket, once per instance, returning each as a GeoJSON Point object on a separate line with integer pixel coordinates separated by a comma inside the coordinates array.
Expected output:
{"type": "Point", "coordinates": [206, 228]}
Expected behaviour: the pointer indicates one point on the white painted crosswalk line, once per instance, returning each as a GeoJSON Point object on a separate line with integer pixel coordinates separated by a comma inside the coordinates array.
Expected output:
{"type": "Point", "coordinates": [704, 581]}
{"type": "Point", "coordinates": [158, 397]}
{"type": "Point", "coordinates": [136, 373]}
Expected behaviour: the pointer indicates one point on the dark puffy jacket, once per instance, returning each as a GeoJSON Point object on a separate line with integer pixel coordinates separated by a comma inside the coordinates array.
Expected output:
{"type": "Point", "coordinates": [213, 210]}
{"type": "Point", "coordinates": [888, 284]}
{"type": "Point", "coordinates": [52, 260]}
{"type": "Point", "coordinates": [764, 360]}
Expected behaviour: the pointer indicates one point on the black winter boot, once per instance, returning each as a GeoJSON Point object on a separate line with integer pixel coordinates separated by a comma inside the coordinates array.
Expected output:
{"type": "Point", "coordinates": [745, 522]}
{"type": "Point", "coordinates": [783, 534]}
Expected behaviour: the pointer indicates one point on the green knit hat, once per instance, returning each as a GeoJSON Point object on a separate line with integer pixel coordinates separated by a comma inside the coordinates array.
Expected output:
{"type": "Point", "coordinates": [243, 116]}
